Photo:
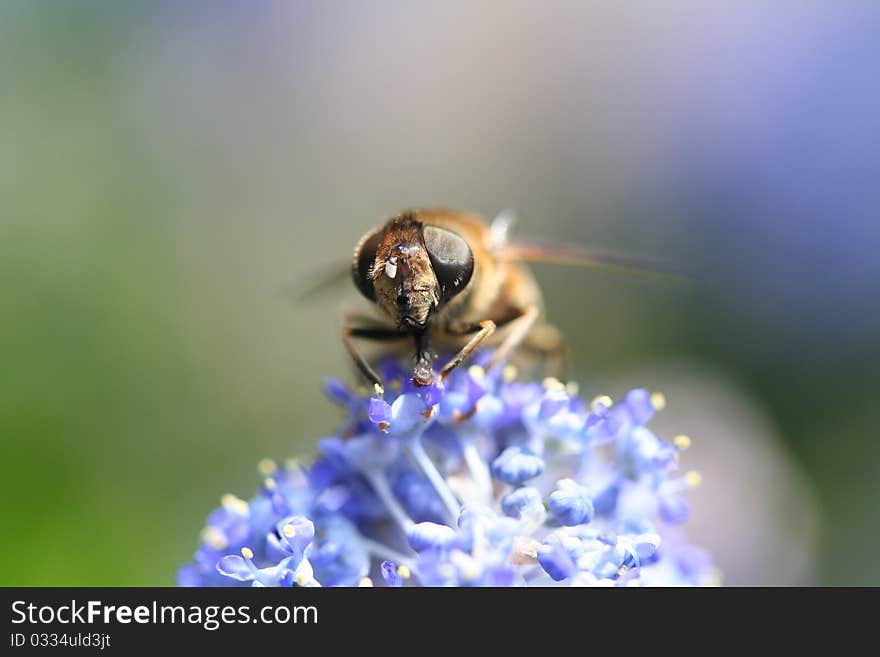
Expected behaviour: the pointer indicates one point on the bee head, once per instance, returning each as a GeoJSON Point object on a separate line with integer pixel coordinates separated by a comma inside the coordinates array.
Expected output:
{"type": "Point", "coordinates": [410, 269]}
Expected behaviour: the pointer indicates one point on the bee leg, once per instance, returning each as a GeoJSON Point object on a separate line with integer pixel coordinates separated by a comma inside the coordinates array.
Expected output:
{"type": "Point", "coordinates": [546, 341]}
{"type": "Point", "coordinates": [424, 372]}
{"type": "Point", "coordinates": [487, 328]}
{"type": "Point", "coordinates": [519, 328]}
{"type": "Point", "coordinates": [375, 334]}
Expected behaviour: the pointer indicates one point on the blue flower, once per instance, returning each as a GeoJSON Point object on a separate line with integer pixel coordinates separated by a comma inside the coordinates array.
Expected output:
{"type": "Point", "coordinates": [291, 537]}
{"type": "Point", "coordinates": [520, 499]}
{"type": "Point", "coordinates": [287, 572]}
{"type": "Point", "coordinates": [516, 465]}
{"type": "Point", "coordinates": [338, 556]}
{"type": "Point", "coordinates": [559, 558]}
{"type": "Point", "coordinates": [480, 480]}
{"type": "Point", "coordinates": [570, 503]}
{"type": "Point", "coordinates": [418, 497]}
{"type": "Point", "coordinates": [427, 535]}
{"type": "Point", "coordinates": [390, 574]}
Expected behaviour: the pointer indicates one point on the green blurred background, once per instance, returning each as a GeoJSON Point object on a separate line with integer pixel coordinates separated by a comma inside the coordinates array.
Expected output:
{"type": "Point", "coordinates": [168, 170]}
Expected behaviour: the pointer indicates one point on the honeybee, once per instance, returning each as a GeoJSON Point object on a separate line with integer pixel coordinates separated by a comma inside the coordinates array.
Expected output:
{"type": "Point", "coordinates": [452, 281]}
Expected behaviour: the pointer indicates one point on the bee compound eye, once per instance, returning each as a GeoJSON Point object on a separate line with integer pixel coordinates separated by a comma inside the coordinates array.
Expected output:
{"type": "Point", "coordinates": [451, 259]}
{"type": "Point", "coordinates": [364, 259]}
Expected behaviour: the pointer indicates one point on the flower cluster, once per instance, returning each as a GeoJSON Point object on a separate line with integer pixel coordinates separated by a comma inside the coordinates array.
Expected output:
{"type": "Point", "coordinates": [481, 480]}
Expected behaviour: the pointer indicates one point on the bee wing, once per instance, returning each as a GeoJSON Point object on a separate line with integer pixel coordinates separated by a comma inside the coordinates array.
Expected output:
{"type": "Point", "coordinates": [589, 258]}
{"type": "Point", "coordinates": [323, 281]}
